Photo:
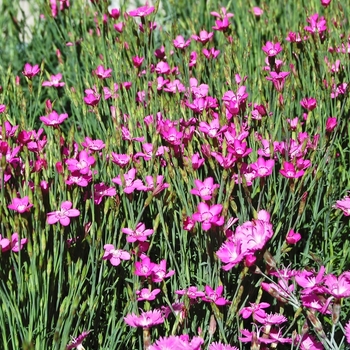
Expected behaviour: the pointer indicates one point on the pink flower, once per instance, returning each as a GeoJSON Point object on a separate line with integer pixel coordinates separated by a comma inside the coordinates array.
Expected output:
{"type": "Point", "coordinates": [145, 320]}
{"type": "Point", "coordinates": [196, 161]}
{"type": "Point", "coordinates": [146, 294]}
{"type": "Point", "coordinates": [92, 97]}
{"type": "Point", "coordinates": [141, 11]}
{"type": "Point", "coordinates": [272, 49]}
{"type": "Point", "coordinates": [21, 205]}
{"type": "Point", "coordinates": [177, 342]}
{"type": "Point", "coordinates": [128, 181]}
{"type": "Point", "coordinates": [144, 267]}
{"type": "Point", "coordinates": [212, 53]}
{"type": "Point", "coordinates": [93, 145]}
{"type": "Point", "coordinates": [78, 179]}
{"type": "Point", "coordinates": [289, 171]}
{"type": "Point", "coordinates": [103, 73]}
{"type": "Point", "coordinates": [82, 165]}
{"type": "Point", "coordinates": [204, 189]}
{"type": "Point", "coordinates": [214, 296]}
{"type": "Point", "coordinates": [347, 332]}
{"type": "Point", "coordinates": [344, 205]}
{"type": "Point", "coordinates": [203, 37]}
{"type": "Point", "coordinates": [222, 23]}
{"type": "Point", "coordinates": [54, 119]}
{"type": "Point", "coordinates": [278, 79]}
{"type": "Point", "coordinates": [255, 310]}
{"type": "Point", "coordinates": [63, 215]}
{"type": "Point", "coordinates": [308, 103]}
{"type": "Point", "coordinates": [54, 81]}
{"type": "Point", "coordinates": [220, 346]}
{"type": "Point", "coordinates": [17, 245]}
{"type": "Point", "coordinates": [257, 11]}
{"type": "Point", "coordinates": [273, 319]}
{"type": "Point", "coordinates": [338, 287]}
{"type": "Point", "coordinates": [156, 187]}
{"type": "Point", "coordinates": [77, 342]}
{"type": "Point", "coordinates": [101, 190]}
{"type": "Point", "coordinates": [5, 244]}
{"type": "Point", "coordinates": [159, 272]}
{"type": "Point", "coordinates": [30, 71]}
{"type": "Point", "coordinates": [191, 292]}
{"type": "Point", "coordinates": [114, 255]}
{"type": "Point", "coordinates": [139, 234]}
{"type": "Point", "coordinates": [263, 167]}
{"type": "Point", "coordinates": [230, 253]}
{"type": "Point", "coordinates": [121, 159]}
{"type": "Point", "coordinates": [331, 123]}
{"type": "Point", "coordinates": [325, 3]}
{"type": "Point", "coordinates": [317, 25]}
{"type": "Point", "coordinates": [208, 216]}
{"type": "Point", "coordinates": [293, 237]}
{"type": "Point", "coordinates": [180, 42]}
{"type": "Point", "coordinates": [2, 108]}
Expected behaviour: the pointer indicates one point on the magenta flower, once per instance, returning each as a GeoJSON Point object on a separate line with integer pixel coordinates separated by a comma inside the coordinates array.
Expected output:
{"type": "Point", "coordinates": [338, 287]}
{"type": "Point", "coordinates": [114, 255]}
{"type": "Point", "coordinates": [82, 165]}
{"type": "Point", "coordinates": [63, 215]}
{"type": "Point", "coordinates": [103, 73]}
{"type": "Point", "coordinates": [78, 179]}
{"type": "Point", "coordinates": [141, 11]}
{"type": "Point", "coordinates": [55, 81]}
{"type": "Point", "coordinates": [120, 159]}
{"type": "Point", "coordinates": [257, 11]}
{"type": "Point", "coordinates": [159, 272]}
{"type": "Point", "coordinates": [230, 253]}
{"type": "Point", "coordinates": [156, 187]}
{"type": "Point", "coordinates": [204, 189]}
{"type": "Point", "coordinates": [191, 292]}
{"type": "Point", "coordinates": [54, 119]}
{"type": "Point", "coordinates": [203, 37]}
{"type": "Point", "coordinates": [17, 245]}
{"type": "Point", "coordinates": [76, 343]}
{"type": "Point", "coordinates": [215, 296]}
{"type": "Point", "coordinates": [309, 281]}
{"type": "Point", "coordinates": [180, 42]}
{"type": "Point", "coordinates": [344, 205]}
{"type": "Point", "coordinates": [145, 320]}
{"type": "Point", "coordinates": [92, 97]}
{"type": "Point", "coordinates": [212, 53]}
{"type": "Point", "coordinates": [5, 244]}
{"type": "Point", "coordinates": [101, 190]}
{"type": "Point", "coordinates": [317, 25]}
{"type": "Point", "coordinates": [196, 161]}
{"type": "Point", "coordinates": [308, 103]}
{"type": "Point", "coordinates": [347, 332]}
{"type": "Point", "coordinates": [2, 108]}
{"type": "Point", "coordinates": [128, 181]}
{"type": "Point", "coordinates": [289, 171]}
{"type": "Point", "coordinates": [293, 237]}
{"type": "Point", "coordinates": [222, 23]}
{"type": "Point", "coordinates": [331, 123]}
{"type": "Point", "coordinates": [21, 205]}
{"type": "Point", "coordinates": [178, 342]}
{"type": "Point", "coordinates": [278, 79]}
{"type": "Point", "coordinates": [144, 267]}
{"type": "Point", "coordinates": [272, 49]}
{"type": "Point", "coordinates": [208, 216]}
{"type": "Point", "coordinates": [262, 167]}
{"type": "Point", "coordinates": [30, 71]}
{"type": "Point", "coordinates": [146, 294]}
{"type": "Point", "coordinates": [139, 234]}
{"type": "Point", "coordinates": [93, 145]}
{"type": "Point", "coordinates": [255, 310]}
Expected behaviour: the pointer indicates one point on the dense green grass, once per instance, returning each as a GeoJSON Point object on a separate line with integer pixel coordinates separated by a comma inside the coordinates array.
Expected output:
{"type": "Point", "coordinates": [50, 291]}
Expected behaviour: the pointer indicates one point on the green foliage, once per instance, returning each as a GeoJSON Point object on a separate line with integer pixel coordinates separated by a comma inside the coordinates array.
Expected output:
{"type": "Point", "coordinates": [50, 291]}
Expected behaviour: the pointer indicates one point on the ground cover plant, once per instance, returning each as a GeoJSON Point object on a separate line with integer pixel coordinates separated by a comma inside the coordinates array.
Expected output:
{"type": "Point", "coordinates": [174, 175]}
